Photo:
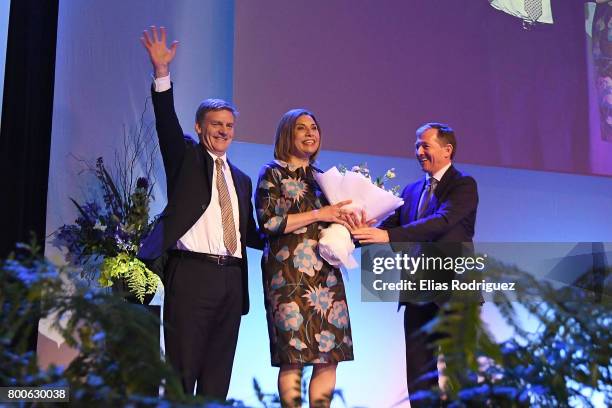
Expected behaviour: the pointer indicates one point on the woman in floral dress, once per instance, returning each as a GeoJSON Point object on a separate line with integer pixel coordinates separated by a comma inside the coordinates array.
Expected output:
{"type": "Point", "coordinates": [305, 301]}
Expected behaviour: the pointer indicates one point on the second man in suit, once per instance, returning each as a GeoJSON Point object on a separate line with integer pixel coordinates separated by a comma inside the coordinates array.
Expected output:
{"type": "Point", "coordinates": [439, 208]}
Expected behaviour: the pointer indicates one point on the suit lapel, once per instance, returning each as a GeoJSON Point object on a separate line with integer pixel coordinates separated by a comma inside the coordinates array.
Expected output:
{"type": "Point", "coordinates": [208, 164]}
{"type": "Point", "coordinates": [415, 194]}
{"type": "Point", "coordinates": [444, 183]}
{"type": "Point", "coordinates": [440, 191]}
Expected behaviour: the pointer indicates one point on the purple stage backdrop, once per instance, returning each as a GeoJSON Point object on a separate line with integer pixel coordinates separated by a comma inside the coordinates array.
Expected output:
{"type": "Point", "coordinates": [373, 71]}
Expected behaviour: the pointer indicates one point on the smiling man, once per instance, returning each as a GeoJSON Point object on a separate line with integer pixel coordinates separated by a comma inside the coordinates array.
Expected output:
{"type": "Point", "coordinates": [200, 239]}
{"type": "Point", "coordinates": [441, 207]}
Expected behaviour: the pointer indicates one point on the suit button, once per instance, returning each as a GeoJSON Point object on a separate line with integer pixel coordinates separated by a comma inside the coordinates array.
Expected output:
{"type": "Point", "coordinates": [204, 206]}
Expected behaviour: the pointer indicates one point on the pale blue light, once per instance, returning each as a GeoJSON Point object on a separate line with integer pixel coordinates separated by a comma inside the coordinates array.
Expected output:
{"type": "Point", "coordinates": [5, 6]}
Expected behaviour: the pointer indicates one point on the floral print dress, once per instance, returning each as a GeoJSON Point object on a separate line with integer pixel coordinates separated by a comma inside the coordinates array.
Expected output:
{"type": "Point", "coordinates": [308, 320]}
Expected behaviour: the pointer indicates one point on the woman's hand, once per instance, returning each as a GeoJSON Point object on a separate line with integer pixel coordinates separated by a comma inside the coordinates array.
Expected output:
{"type": "Point", "coordinates": [334, 213]}
{"type": "Point", "coordinates": [330, 213]}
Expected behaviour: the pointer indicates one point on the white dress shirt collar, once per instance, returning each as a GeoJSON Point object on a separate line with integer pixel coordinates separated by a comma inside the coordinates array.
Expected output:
{"type": "Point", "coordinates": [439, 174]}
{"type": "Point", "coordinates": [214, 157]}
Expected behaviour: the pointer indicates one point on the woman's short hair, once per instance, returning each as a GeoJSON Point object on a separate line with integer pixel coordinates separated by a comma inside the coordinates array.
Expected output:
{"type": "Point", "coordinates": [283, 141]}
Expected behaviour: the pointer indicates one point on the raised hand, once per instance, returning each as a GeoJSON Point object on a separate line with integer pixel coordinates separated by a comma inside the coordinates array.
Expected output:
{"type": "Point", "coordinates": [159, 53]}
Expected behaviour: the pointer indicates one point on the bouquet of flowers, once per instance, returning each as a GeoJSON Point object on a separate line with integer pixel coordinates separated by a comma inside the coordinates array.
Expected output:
{"type": "Point", "coordinates": [107, 238]}
{"type": "Point", "coordinates": [104, 239]}
{"type": "Point", "coordinates": [367, 194]}
{"type": "Point", "coordinates": [380, 181]}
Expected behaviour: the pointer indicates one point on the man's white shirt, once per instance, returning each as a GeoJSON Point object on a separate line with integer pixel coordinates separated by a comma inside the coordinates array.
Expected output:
{"type": "Point", "coordinates": [206, 235]}
{"type": "Point", "coordinates": [439, 174]}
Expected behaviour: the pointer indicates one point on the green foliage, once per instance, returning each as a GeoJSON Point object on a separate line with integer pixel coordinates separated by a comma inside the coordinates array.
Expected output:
{"type": "Point", "coordinates": [119, 357]}
{"type": "Point", "coordinates": [562, 363]}
{"type": "Point", "coordinates": [137, 219]}
{"type": "Point", "coordinates": [140, 280]}
{"type": "Point", "coordinates": [118, 363]}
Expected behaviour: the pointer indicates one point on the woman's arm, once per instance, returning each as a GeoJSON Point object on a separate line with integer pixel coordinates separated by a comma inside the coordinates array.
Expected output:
{"type": "Point", "coordinates": [330, 213]}
{"type": "Point", "coordinates": [273, 218]}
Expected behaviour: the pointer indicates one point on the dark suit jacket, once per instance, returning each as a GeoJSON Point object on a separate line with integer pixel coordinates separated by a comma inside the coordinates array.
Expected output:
{"type": "Point", "coordinates": [450, 217]}
{"type": "Point", "coordinates": [189, 171]}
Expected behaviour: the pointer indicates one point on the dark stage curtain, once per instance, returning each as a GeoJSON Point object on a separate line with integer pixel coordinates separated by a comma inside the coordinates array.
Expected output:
{"type": "Point", "coordinates": [27, 109]}
{"type": "Point", "coordinates": [25, 135]}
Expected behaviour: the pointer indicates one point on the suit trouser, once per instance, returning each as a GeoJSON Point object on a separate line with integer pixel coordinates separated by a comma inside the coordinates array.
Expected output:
{"type": "Point", "coordinates": [202, 311]}
{"type": "Point", "coordinates": [421, 355]}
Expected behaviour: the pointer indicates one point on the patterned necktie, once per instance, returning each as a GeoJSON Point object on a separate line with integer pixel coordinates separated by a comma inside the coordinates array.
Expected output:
{"type": "Point", "coordinates": [227, 216]}
{"type": "Point", "coordinates": [533, 8]}
{"type": "Point", "coordinates": [426, 197]}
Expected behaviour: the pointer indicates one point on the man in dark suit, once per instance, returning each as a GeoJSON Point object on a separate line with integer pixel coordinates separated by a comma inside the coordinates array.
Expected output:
{"type": "Point", "coordinates": [201, 236]}
{"type": "Point", "coordinates": [441, 208]}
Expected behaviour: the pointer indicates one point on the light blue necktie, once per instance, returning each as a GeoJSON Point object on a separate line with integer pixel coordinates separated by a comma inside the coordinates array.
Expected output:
{"type": "Point", "coordinates": [426, 197]}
